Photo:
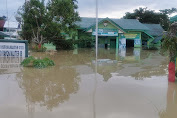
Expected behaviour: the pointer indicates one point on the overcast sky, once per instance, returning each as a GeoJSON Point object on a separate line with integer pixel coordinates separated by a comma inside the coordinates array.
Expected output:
{"type": "Point", "coordinates": [107, 8]}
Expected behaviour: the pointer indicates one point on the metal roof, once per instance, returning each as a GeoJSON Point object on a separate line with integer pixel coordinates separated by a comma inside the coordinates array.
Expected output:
{"type": "Point", "coordinates": [155, 29]}
{"type": "Point", "coordinates": [173, 19]}
{"type": "Point", "coordinates": [87, 22]}
{"type": "Point", "coordinates": [130, 24]}
{"type": "Point", "coordinates": [157, 39]}
{"type": "Point", "coordinates": [126, 24]}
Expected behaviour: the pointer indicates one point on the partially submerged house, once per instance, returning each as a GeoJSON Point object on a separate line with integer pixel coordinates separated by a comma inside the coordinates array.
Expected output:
{"type": "Point", "coordinates": [173, 19]}
{"type": "Point", "coordinates": [114, 33]}
{"type": "Point", "coordinates": [157, 32]}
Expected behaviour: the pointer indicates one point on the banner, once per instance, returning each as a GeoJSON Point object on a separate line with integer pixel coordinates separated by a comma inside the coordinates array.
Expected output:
{"type": "Point", "coordinates": [8, 49]}
{"type": "Point", "coordinates": [106, 32]}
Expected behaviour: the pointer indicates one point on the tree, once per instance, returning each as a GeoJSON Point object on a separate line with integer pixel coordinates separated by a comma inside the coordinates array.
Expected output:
{"type": "Point", "coordinates": [170, 44]}
{"type": "Point", "coordinates": [149, 16]}
{"type": "Point", "coordinates": [35, 21]}
{"type": "Point", "coordinates": [64, 13]}
{"type": "Point", "coordinates": [42, 23]}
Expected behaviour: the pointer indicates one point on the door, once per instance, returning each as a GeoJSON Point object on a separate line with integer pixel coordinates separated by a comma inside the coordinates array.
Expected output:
{"type": "Point", "coordinates": [113, 43]}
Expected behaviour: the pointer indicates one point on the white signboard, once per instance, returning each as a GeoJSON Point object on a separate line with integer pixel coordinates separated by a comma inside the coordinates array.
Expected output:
{"type": "Point", "coordinates": [106, 32]}
{"type": "Point", "coordinates": [12, 49]}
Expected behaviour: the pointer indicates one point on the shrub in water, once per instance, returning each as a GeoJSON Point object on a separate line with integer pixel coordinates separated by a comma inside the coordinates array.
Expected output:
{"type": "Point", "coordinates": [37, 63]}
{"type": "Point", "coordinates": [49, 62]}
{"type": "Point", "coordinates": [28, 61]}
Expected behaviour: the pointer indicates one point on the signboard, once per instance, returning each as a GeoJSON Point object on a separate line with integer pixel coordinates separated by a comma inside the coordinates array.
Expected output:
{"type": "Point", "coordinates": [106, 32]}
{"type": "Point", "coordinates": [131, 36]}
{"type": "Point", "coordinates": [122, 43]}
{"type": "Point", "coordinates": [137, 43]}
{"type": "Point", "coordinates": [8, 49]}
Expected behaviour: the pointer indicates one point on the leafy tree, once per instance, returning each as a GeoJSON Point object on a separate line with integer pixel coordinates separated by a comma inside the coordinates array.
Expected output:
{"type": "Point", "coordinates": [51, 22]}
{"type": "Point", "coordinates": [149, 16]}
{"type": "Point", "coordinates": [35, 21]}
{"type": "Point", "coordinates": [170, 44]}
{"type": "Point", "coordinates": [65, 15]}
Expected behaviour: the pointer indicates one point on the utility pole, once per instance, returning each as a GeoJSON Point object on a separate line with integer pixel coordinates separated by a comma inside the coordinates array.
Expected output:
{"type": "Point", "coordinates": [96, 29]}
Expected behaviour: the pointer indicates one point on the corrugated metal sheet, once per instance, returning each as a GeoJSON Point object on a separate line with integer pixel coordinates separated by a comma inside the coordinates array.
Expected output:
{"type": "Point", "coordinates": [155, 29]}
{"type": "Point", "coordinates": [126, 24]}
{"type": "Point", "coordinates": [173, 19]}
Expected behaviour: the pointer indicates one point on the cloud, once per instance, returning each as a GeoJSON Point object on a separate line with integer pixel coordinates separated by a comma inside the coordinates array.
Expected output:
{"type": "Point", "coordinates": [107, 8]}
{"type": "Point", "coordinates": [12, 7]}
{"type": "Point", "coordinates": [117, 9]}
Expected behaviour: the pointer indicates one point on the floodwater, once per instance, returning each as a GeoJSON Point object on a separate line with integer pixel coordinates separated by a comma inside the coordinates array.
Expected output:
{"type": "Point", "coordinates": [122, 84]}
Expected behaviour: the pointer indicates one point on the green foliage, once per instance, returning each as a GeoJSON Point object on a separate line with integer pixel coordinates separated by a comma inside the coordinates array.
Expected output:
{"type": "Point", "coordinates": [62, 44]}
{"type": "Point", "coordinates": [170, 42]}
{"type": "Point", "coordinates": [37, 63]}
{"type": "Point", "coordinates": [49, 62]}
{"type": "Point", "coordinates": [149, 16]}
{"type": "Point", "coordinates": [36, 48]}
{"type": "Point", "coordinates": [150, 48]}
{"type": "Point", "coordinates": [85, 40]}
{"type": "Point", "coordinates": [42, 23]}
{"type": "Point", "coordinates": [84, 43]}
{"type": "Point", "coordinates": [28, 61]}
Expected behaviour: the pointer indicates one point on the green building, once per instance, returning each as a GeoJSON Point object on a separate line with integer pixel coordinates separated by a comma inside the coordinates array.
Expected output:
{"type": "Point", "coordinates": [120, 33]}
{"type": "Point", "coordinates": [173, 19]}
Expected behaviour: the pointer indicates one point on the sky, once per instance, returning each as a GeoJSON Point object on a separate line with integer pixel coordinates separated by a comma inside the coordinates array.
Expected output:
{"type": "Point", "coordinates": [107, 8]}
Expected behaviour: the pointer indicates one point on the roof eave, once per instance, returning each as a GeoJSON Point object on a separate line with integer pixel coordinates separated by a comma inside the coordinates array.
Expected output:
{"type": "Point", "coordinates": [112, 22]}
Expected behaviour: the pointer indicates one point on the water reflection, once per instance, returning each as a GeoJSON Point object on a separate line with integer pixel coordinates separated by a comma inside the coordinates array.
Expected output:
{"type": "Point", "coordinates": [10, 64]}
{"type": "Point", "coordinates": [48, 87]}
{"type": "Point", "coordinates": [72, 83]}
{"type": "Point", "coordinates": [171, 106]}
{"type": "Point", "coordinates": [137, 63]}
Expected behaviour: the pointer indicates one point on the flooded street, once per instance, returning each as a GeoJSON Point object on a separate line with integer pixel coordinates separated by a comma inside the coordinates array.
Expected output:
{"type": "Point", "coordinates": [123, 84]}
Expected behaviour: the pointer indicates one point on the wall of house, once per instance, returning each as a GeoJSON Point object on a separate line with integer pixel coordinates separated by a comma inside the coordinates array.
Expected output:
{"type": "Point", "coordinates": [106, 40]}
{"type": "Point", "coordinates": [136, 36]}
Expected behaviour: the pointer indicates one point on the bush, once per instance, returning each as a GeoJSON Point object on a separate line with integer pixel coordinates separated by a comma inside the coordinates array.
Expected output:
{"type": "Point", "coordinates": [37, 63]}
{"type": "Point", "coordinates": [28, 61]}
{"type": "Point", "coordinates": [87, 43]}
{"type": "Point", "coordinates": [150, 48]}
{"type": "Point", "coordinates": [62, 44]}
{"type": "Point", "coordinates": [37, 49]}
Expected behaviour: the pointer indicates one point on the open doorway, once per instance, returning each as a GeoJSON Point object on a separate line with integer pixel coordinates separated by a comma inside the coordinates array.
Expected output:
{"type": "Point", "coordinates": [129, 43]}
{"type": "Point", "coordinates": [113, 43]}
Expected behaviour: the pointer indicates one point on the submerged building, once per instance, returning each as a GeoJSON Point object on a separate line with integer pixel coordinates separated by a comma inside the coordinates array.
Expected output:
{"type": "Point", "coordinates": [173, 19]}
{"type": "Point", "coordinates": [114, 33]}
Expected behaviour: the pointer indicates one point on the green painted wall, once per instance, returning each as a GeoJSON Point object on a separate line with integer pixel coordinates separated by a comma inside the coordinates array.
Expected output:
{"type": "Point", "coordinates": [109, 26]}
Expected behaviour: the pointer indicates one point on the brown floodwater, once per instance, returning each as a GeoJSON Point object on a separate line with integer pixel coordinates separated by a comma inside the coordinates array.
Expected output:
{"type": "Point", "coordinates": [121, 84]}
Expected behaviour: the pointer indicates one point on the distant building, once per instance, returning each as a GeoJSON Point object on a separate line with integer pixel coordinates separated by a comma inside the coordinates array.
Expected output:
{"type": "Point", "coordinates": [2, 22]}
{"type": "Point", "coordinates": [122, 33]}
{"type": "Point", "coordinates": [11, 29]}
{"type": "Point", "coordinates": [173, 19]}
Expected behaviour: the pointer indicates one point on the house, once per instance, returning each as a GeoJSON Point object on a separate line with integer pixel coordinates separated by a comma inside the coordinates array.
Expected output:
{"type": "Point", "coordinates": [122, 33]}
{"type": "Point", "coordinates": [157, 32]}
{"type": "Point", "coordinates": [173, 19]}
{"type": "Point", "coordinates": [12, 28]}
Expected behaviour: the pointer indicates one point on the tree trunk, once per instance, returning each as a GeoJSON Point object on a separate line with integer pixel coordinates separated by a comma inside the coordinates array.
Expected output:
{"type": "Point", "coordinates": [39, 45]}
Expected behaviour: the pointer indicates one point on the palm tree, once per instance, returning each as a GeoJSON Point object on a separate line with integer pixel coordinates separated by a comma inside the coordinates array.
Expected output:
{"type": "Point", "coordinates": [170, 44]}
